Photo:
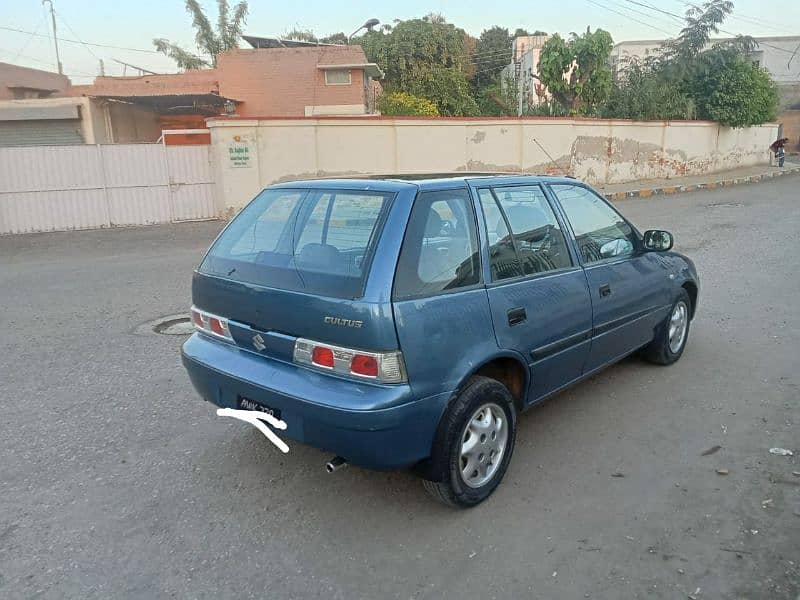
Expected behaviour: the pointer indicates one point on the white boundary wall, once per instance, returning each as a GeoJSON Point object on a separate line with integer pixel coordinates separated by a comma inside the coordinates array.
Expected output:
{"type": "Point", "coordinates": [249, 154]}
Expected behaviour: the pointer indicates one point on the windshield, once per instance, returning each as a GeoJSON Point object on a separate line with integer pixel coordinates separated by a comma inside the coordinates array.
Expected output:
{"type": "Point", "coordinates": [315, 241]}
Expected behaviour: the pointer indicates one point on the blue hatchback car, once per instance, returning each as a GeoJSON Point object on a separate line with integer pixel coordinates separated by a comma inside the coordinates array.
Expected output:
{"type": "Point", "coordinates": [407, 322]}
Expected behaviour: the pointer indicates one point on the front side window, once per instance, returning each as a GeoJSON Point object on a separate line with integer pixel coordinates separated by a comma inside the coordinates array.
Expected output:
{"type": "Point", "coordinates": [440, 249]}
{"type": "Point", "coordinates": [600, 231]}
{"type": "Point", "coordinates": [315, 241]}
{"type": "Point", "coordinates": [535, 242]}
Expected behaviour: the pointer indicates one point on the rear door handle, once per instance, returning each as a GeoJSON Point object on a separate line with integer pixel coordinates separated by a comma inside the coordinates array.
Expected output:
{"type": "Point", "coordinates": [516, 316]}
{"type": "Point", "coordinates": [605, 290]}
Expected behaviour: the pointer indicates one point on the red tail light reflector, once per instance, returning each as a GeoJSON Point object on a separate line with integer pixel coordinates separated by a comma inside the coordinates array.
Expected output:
{"type": "Point", "coordinates": [211, 324]}
{"type": "Point", "coordinates": [383, 367]}
{"type": "Point", "coordinates": [364, 365]}
{"type": "Point", "coordinates": [322, 357]}
{"type": "Point", "coordinates": [216, 326]}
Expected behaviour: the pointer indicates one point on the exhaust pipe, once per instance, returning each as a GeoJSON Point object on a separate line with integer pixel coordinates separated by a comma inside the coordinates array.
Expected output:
{"type": "Point", "coordinates": [336, 463]}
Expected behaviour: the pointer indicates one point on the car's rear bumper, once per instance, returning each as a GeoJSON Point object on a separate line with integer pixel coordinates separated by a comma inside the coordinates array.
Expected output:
{"type": "Point", "coordinates": [377, 426]}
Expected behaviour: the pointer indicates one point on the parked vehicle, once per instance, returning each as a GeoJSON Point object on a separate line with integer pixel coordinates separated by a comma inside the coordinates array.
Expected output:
{"type": "Point", "coordinates": [399, 323]}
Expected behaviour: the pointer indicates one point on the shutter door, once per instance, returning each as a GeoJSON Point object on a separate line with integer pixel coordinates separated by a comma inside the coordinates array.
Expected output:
{"type": "Point", "coordinates": [55, 132]}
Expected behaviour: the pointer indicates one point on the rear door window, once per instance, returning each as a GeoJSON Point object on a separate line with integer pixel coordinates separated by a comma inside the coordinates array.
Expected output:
{"type": "Point", "coordinates": [315, 241]}
{"type": "Point", "coordinates": [440, 249]}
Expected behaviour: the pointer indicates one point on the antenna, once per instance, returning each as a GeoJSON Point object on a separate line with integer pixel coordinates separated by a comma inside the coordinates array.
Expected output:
{"type": "Point", "coordinates": [550, 157]}
{"type": "Point", "coordinates": [55, 37]}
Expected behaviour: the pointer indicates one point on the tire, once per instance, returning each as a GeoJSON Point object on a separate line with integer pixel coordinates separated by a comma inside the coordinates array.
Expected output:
{"type": "Point", "coordinates": [483, 408]}
{"type": "Point", "coordinates": [661, 351]}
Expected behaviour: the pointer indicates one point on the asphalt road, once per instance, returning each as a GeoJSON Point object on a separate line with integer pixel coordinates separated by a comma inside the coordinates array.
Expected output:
{"type": "Point", "coordinates": [117, 481]}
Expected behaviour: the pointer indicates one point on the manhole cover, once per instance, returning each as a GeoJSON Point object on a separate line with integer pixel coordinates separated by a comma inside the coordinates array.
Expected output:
{"type": "Point", "coordinates": [174, 326]}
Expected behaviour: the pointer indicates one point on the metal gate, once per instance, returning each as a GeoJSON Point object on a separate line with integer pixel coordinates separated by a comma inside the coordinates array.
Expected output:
{"type": "Point", "coordinates": [53, 188]}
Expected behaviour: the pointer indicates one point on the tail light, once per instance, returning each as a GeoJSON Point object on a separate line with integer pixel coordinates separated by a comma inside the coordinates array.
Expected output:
{"type": "Point", "coordinates": [211, 324]}
{"type": "Point", "coordinates": [385, 367]}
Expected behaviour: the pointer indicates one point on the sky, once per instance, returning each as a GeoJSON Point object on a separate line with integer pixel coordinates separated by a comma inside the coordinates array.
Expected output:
{"type": "Point", "coordinates": [130, 25]}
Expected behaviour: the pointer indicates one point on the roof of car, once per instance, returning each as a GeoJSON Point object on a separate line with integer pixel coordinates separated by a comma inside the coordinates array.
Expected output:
{"type": "Point", "coordinates": [421, 180]}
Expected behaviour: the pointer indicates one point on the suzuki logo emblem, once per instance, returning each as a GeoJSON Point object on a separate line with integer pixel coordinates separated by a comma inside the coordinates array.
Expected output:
{"type": "Point", "coordinates": [258, 342]}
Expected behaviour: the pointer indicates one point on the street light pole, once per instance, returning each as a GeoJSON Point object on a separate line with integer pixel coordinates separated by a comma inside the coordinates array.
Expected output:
{"type": "Point", "coordinates": [368, 25]}
{"type": "Point", "coordinates": [55, 37]}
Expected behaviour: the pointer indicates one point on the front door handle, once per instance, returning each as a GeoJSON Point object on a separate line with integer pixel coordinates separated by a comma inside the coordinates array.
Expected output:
{"type": "Point", "coordinates": [517, 316]}
{"type": "Point", "coordinates": [605, 290]}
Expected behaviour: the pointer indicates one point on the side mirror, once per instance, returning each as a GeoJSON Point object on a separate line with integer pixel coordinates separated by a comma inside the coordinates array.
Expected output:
{"type": "Point", "coordinates": [657, 240]}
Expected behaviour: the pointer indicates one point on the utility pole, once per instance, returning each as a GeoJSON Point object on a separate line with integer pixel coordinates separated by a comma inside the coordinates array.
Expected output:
{"type": "Point", "coordinates": [55, 37]}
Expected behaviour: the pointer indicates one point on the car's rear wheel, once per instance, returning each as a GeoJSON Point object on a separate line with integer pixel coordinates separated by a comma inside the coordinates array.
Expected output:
{"type": "Point", "coordinates": [474, 444]}
{"type": "Point", "coordinates": [670, 339]}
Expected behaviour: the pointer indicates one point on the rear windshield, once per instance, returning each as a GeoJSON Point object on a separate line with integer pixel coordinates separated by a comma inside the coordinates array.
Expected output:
{"type": "Point", "coordinates": [314, 241]}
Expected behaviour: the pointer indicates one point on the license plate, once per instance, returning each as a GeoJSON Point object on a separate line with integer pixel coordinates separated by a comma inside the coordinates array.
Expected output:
{"type": "Point", "coordinates": [246, 404]}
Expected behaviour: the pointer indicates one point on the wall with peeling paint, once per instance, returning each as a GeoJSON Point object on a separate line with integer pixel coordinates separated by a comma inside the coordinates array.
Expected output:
{"type": "Point", "coordinates": [596, 151]}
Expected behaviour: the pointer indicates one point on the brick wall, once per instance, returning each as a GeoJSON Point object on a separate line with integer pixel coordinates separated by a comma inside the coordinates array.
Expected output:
{"type": "Point", "coordinates": [201, 81]}
{"type": "Point", "coordinates": [277, 82]}
{"type": "Point", "coordinates": [790, 119]}
{"type": "Point", "coordinates": [282, 82]}
{"type": "Point", "coordinates": [12, 76]}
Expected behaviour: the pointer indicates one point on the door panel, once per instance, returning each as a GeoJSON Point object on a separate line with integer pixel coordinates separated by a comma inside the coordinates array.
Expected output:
{"type": "Point", "coordinates": [637, 300]}
{"type": "Point", "coordinates": [629, 288]}
{"type": "Point", "coordinates": [443, 338]}
{"type": "Point", "coordinates": [539, 299]}
{"type": "Point", "coordinates": [440, 306]}
{"type": "Point", "coordinates": [554, 337]}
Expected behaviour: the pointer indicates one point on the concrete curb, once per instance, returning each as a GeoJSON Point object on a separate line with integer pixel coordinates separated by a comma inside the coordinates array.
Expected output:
{"type": "Point", "coordinates": [708, 185]}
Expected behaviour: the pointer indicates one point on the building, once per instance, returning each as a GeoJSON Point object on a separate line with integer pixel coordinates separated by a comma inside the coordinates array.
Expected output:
{"type": "Point", "coordinates": [274, 78]}
{"type": "Point", "coordinates": [20, 83]}
{"type": "Point", "coordinates": [37, 109]}
{"type": "Point", "coordinates": [522, 72]}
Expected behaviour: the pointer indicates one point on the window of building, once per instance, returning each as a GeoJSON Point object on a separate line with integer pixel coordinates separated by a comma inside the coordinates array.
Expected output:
{"type": "Point", "coordinates": [337, 77]}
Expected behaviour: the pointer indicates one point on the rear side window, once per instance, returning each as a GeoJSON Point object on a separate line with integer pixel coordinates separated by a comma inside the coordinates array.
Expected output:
{"type": "Point", "coordinates": [535, 242]}
{"type": "Point", "coordinates": [315, 241]}
{"type": "Point", "coordinates": [440, 249]}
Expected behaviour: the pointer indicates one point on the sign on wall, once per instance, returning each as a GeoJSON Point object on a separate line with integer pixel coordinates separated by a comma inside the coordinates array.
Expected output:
{"type": "Point", "coordinates": [239, 155]}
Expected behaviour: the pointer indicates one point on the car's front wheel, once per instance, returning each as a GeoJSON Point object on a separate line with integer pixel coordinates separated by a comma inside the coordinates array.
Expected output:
{"type": "Point", "coordinates": [670, 339]}
{"type": "Point", "coordinates": [474, 444]}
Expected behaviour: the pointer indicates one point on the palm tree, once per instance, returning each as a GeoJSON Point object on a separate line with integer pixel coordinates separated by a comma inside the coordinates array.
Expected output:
{"type": "Point", "coordinates": [209, 42]}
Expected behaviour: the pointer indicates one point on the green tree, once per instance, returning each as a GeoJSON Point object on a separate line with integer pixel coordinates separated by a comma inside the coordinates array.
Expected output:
{"type": "Point", "coordinates": [447, 88]}
{"type": "Point", "coordinates": [498, 99]}
{"type": "Point", "coordinates": [209, 42]}
{"type": "Point", "coordinates": [405, 105]}
{"type": "Point", "coordinates": [740, 95]}
{"type": "Point", "coordinates": [425, 57]}
{"type": "Point", "coordinates": [308, 35]}
{"type": "Point", "coordinates": [688, 79]}
{"type": "Point", "coordinates": [300, 35]}
{"type": "Point", "coordinates": [335, 38]}
{"type": "Point", "coordinates": [492, 53]}
{"type": "Point", "coordinates": [576, 71]}
{"type": "Point", "coordinates": [642, 95]}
